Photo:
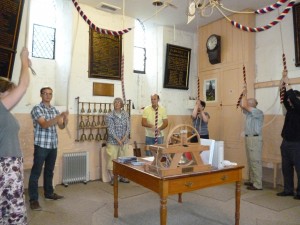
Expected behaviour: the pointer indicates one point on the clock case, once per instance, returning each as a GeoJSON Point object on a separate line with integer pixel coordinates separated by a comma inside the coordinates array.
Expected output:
{"type": "Point", "coordinates": [214, 55]}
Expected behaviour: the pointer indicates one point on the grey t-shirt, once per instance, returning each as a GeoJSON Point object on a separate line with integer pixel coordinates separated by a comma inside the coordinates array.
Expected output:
{"type": "Point", "coordinates": [9, 134]}
{"type": "Point", "coordinates": [200, 125]}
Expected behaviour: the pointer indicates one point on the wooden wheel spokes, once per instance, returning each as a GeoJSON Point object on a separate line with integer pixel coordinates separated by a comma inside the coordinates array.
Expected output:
{"type": "Point", "coordinates": [178, 155]}
{"type": "Point", "coordinates": [182, 135]}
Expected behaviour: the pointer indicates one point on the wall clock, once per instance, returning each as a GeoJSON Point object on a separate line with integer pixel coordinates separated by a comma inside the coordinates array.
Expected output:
{"type": "Point", "coordinates": [213, 46]}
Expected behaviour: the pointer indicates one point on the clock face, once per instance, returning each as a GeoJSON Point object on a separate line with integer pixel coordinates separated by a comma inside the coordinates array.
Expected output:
{"type": "Point", "coordinates": [212, 42]}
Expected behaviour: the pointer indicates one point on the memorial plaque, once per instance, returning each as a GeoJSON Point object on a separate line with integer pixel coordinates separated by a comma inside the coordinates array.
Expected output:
{"type": "Point", "coordinates": [177, 67]}
{"type": "Point", "coordinates": [105, 56]}
{"type": "Point", "coordinates": [10, 20]}
{"type": "Point", "coordinates": [296, 18]}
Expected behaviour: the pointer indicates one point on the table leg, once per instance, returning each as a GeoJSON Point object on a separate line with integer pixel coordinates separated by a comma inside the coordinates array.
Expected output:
{"type": "Point", "coordinates": [163, 194]}
{"type": "Point", "coordinates": [116, 195]}
{"type": "Point", "coordinates": [163, 211]}
{"type": "Point", "coordinates": [180, 197]}
{"type": "Point", "coordinates": [237, 202]}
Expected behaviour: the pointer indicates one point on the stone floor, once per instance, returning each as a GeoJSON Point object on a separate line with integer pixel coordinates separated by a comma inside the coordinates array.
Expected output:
{"type": "Point", "coordinates": [92, 204]}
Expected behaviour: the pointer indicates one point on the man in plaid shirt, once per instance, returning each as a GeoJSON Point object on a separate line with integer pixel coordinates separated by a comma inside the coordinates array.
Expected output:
{"type": "Point", "coordinates": [45, 118]}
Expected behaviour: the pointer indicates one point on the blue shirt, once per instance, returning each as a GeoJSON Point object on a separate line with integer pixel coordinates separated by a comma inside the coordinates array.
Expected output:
{"type": "Point", "coordinates": [254, 122]}
{"type": "Point", "coordinates": [118, 125]}
{"type": "Point", "coordinates": [44, 137]}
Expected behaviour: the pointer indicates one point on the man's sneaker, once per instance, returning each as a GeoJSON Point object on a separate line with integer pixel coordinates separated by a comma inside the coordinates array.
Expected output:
{"type": "Point", "coordinates": [34, 205]}
{"type": "Point", "coordinates": [54, 197]}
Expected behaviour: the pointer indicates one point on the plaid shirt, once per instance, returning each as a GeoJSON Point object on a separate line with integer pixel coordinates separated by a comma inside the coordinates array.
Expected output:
{"type": "Point", "coordinates": [118, 125]}
{"type": "Point", "coordinates": [44, 137]}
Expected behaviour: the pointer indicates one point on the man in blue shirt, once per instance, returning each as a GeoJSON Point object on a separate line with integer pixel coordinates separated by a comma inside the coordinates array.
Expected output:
{"type": "Point", "coordinates": [253, 141]}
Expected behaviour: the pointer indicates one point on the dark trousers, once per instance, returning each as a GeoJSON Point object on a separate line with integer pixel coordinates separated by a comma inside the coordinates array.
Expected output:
{"type": "Point", "coordinates": [195, 139]}
{"type": "Point", "coordinates": [290, 153]}
{"type": "Point", "coordinates": [41, 156]}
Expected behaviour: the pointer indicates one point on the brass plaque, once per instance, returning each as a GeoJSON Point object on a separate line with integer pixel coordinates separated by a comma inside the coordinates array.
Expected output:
{"type": "Point", "coordinates": [187, 169]}
{"type": "Point", "coordinates": [103, 89]}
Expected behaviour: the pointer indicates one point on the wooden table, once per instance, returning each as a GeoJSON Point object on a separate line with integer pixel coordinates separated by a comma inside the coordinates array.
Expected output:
{"type": "Point", "coordinates": [177, 184]}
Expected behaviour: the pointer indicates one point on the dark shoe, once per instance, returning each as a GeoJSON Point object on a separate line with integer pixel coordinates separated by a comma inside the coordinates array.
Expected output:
{"type": "Point", "coordinates": [248, 183]}
{"type": "Point", "coordinates": [112, 182]}
{"type": "Point", "coordinates": [252, 188]}
{"type": "Point", "coordinates": [54, 197]}
{"type": "Point", "coordinates": [285, 194]}
{"type": "Point", "coordinates": [124, 180]}
{"type": "Point", "coordinates": [34, 205]}
{"type": "Point", "coordinates": [297, 197]}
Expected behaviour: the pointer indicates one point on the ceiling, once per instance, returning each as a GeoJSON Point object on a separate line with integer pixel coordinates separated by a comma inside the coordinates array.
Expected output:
{"type": "Point", "coordinates": [176, 17]}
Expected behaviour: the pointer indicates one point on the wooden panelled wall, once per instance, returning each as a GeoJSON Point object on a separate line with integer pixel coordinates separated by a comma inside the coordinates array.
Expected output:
{"type": "Point", "coordinates": [227, 122]}
{"type": "Point", "coordinates": [237, 50]}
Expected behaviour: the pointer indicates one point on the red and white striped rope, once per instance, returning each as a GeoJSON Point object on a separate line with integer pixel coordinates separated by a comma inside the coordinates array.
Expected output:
{"type": "Point", "coordinates": [93, 26]}
{"type": "Point", "coordinates": [122, 79]}
{"type": "Point", "coordinates": [156, 126]}
{"type": "Point", "coordinates": [270, 7]}
{"type": "Point", "coordinates": [283, 89]}
{"type": "Point", "coordinates": [198, 88]}
{"type": "Point", "coordinates": [245, 83]}
{"type": "Point", "coordinates": [268, 26]}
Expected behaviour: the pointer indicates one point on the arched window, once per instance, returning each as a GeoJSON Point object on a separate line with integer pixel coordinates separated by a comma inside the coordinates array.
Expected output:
{"type": "Point", "coordinates": [44, 29]}
{"type": "Point", "coordinates": [139, 53]}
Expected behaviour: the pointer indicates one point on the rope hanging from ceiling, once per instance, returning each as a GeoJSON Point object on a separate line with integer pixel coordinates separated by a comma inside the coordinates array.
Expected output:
{"type": "Point", "coordinates": [270, 7]}
{"type": "Point", "coordinates": [122, 80]}
{"type": "Point", "coordinates": [94, 27]}
{"type": "Point", "coordinates": [245, 86]}
{"type": "Point", "coordinates": [264, 10]}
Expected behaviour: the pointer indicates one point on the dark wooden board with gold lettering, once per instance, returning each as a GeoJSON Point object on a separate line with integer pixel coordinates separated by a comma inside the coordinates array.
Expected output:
{"type": "Point", "coordinates": [177, 67]}
{"type": "Point", "coordinates": [105, 56]}
{"type": "Point", "coordinates": [296, 17]}
{"type": "Point", "coordinates": [10, 20]}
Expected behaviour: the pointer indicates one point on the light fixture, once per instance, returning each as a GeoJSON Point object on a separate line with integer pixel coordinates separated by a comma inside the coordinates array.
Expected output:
{"type": "Point", "coordinates": [107, 7]}
{"type": "Point", "coordinates": [157, 3]}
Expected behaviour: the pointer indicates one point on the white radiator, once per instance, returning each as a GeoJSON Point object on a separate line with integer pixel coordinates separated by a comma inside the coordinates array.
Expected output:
{"type": "Point", "coordinates": [75, 167]}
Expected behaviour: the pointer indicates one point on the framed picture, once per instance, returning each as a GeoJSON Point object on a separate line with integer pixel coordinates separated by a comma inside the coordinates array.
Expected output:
{"type": "Point", "coordinates": [177, 68]}
{"type": "Point", "coordinates": [209, 89]}
{"type": "Point", "coordinates": [296, 18]}
{"type": "Point", "coordinates": [105, 56]}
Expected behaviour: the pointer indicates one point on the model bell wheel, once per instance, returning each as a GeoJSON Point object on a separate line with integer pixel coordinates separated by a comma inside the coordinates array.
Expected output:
{"type": "Point", "coordinates": [182, 135]}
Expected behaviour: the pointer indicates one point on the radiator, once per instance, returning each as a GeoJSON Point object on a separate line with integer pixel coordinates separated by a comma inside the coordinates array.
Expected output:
{"type": "Point", "coordinates": [75, 168]}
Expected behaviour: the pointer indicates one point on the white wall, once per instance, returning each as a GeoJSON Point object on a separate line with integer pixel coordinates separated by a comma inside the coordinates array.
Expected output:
{"type": "Point", "coordinates": [270, 46]}
{"type": "Point", "coordinates": [71, 64]}
{"type": "Point", "coordinates": [68, 73]}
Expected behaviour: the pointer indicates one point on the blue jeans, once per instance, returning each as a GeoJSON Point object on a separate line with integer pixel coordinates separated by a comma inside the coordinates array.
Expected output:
{"type": "Point", "coordinates": [151, 141]}
{"type": "Point", "coordinates": [41, 156]}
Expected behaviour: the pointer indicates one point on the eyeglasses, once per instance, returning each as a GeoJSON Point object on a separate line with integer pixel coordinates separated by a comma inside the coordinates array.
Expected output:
{"type": "Point", "coordinates": [47, 94]}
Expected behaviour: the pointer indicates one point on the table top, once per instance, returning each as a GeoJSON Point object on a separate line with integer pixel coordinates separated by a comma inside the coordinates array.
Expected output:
{"type": "Point", "coordinates": [141, 169]}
